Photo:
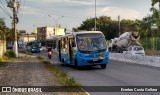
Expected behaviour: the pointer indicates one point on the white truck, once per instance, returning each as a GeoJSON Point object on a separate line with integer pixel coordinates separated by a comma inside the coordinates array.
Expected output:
{"type": "Point", "coordinates": [124, 41]}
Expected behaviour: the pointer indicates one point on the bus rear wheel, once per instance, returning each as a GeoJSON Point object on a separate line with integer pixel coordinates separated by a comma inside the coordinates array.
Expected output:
{"type": "Point", "coordinates": [103, 66]}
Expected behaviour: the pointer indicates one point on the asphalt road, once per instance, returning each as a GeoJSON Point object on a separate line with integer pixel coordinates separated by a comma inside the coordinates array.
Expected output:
{"type": "Point", "coordinates": [116, 74]}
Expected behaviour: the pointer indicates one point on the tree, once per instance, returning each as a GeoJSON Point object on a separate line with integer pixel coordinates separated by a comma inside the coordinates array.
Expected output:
{"type": "Point", "coordinates": [156, 17]}
{"type": "Point", "coordinates": [108, 26]}
{"type": "Point", "coordinates": [88, 24]}
{"type": "Point", "coordinates": [2, 28]}
{"type": "Point", "coordinates": [125, 25]}
{"type": "Point", "coordinates": [2, 45]}
{"type": "Point", "coordinates": [104, 24]}
{"type": "Point", "coordinates": [155, 2]}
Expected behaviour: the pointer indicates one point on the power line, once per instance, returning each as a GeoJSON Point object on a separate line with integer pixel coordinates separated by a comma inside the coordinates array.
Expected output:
{"type": "Point", "coordinates": [5, 10]}
{"type": "Point", "coordinates": [4, 5]}
{"type": "Point", "coordinates": [4, 2]}
{"type": "Point", "coordinates": [50, 10]}
{"type": "Point", "coordinates": [21, 8]}
{"type": "Point", "coordinates": [77, 15]}
{"type": "Point", "coordinates": [49, 13]}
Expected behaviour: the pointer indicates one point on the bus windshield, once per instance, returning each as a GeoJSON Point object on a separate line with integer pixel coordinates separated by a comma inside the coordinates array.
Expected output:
{"type": "Point", "coordinates": [91, 43]}
{"type": "Point", "coordinates": [34, 44]}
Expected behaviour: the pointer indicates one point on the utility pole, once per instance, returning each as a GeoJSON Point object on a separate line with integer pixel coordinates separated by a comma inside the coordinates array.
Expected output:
{"type": "Point", "coordinates": [119, 26]}
{"type": "Point", "coordinates": [15, 5]}
{"type": "Point", "coordinates": [14, 23]}
{"type": "Point", "coordinates": [95, 17]}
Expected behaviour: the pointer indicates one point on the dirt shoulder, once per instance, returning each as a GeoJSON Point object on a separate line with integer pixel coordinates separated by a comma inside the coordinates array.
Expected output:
{"type": "Point", "coordinates": [152, 53]}
{"type": "Point", "coordinates": [25, 72]}
{"type": "Point", "coordinates": [28, 71]}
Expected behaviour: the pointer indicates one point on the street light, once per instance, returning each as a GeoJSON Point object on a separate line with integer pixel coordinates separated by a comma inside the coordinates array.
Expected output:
{"type": "Point", "coordinates": [95, 16]}
{"type": "Point", "coordinates": [119, 25]}
{"type": "Point", "coordinates": [56, 20]}
{"type": "Point", "coordinates": [35, 32]}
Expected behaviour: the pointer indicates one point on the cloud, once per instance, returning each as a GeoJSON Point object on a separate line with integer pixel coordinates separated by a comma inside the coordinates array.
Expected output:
{"type": "Point", "coordinates": [86, 2]}
{"type": "Point", "coordinates": [124, 13]}
{"type": "Point", "coordinates": [30, 11]}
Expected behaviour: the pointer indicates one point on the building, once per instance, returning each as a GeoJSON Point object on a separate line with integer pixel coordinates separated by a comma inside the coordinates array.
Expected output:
{"type": "Point", "coordinates": [44, 33]}
{"type": "Point", "coordinates": [47, 35]}
{"type": "Point", "coordinates": [60, 31]}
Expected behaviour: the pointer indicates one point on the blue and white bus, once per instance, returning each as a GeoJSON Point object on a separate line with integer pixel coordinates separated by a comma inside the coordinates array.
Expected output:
{"type": "Point", "coordinates": [86, 48]}
{"type": "Point", "coordinates": [34, 46]}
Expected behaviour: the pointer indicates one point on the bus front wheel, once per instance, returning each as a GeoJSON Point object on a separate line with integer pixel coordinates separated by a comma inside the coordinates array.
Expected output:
{"type": "Point", "coordinates": [63, 62]}
{"type": "Point", "coordinates": [103, 66]}
{"type": "Point", "coordinates": [76, 65]}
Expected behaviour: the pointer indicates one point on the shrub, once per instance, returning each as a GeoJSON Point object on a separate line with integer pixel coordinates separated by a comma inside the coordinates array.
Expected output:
{"type": "Point", "coordinates": [10, 54]}
{"type": "Point", "coordinates": [70, 82]}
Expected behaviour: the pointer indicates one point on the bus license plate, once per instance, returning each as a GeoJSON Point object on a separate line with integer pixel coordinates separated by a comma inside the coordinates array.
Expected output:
{"type": "Point", "coordinates": [95, 60]}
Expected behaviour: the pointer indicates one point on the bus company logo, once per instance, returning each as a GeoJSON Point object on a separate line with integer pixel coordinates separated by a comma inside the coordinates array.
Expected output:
{"type": "Point", "coordinates": [6, 89]}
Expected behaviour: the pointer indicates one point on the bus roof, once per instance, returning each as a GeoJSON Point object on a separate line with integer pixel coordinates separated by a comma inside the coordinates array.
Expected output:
{"type": "Point", "coordinates": [83, 32]}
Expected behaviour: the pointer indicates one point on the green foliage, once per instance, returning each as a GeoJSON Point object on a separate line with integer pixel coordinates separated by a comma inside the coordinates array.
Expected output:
{"type": "Point", "coordinates": [10, 54]}
{"type": "Point", "coordinates": [5, 31]}
{"type": "Point", "coordinates": [155, 2]}
{"type": "Point", "coordinates": [151, 43]}
{"type": "Point", "coordinates": [46, 62]}
{"type": "Point", "coordinates": [70, 82]}
{"type": "Point", "coordinates": [158, 44]}
{"type": "Point", "coordinates": [40, 58]}
{"type": "Point", "coordinates": [109, 27]}
{"type": "Point", "coordinates": [2, 24]}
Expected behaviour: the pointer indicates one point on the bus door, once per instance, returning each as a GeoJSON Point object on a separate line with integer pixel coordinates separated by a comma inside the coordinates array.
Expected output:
{"type": "Point", "coordinates": [65, 50]}
{"type": "Point", "coordinates": [71, 50]}
{"type": "Point", "coordinates": [59, 49]}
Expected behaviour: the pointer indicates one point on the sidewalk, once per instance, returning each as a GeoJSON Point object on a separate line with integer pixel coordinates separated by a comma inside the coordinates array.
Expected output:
{"type": "Point", "coordinates": [26, 71]}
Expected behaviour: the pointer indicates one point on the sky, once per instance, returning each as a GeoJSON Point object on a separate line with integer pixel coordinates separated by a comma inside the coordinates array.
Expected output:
{"type": "Point", "coordinates": [71, 13]}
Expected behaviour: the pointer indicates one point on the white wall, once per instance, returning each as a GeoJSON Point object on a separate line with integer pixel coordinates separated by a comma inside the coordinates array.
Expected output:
{"type": "Point", "coordinates": [144, 60]}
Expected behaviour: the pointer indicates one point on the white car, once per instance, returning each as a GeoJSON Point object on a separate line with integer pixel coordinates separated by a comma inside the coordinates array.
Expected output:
{"type": "Point", "coordinates": [135, 50]}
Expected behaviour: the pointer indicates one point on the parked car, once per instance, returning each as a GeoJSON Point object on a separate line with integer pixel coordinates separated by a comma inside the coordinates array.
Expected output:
{"type": "Point", "coordinates": [135, 50]}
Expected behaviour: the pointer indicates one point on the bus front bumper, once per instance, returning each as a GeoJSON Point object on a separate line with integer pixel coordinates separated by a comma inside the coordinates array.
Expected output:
{"type": "Point", "coordinates": [92, 61]}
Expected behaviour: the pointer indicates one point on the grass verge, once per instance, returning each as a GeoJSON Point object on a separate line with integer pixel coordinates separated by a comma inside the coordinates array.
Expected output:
{"type": "Point", "coordinates": [1, 63]}
{"type": "Point", "coordinates": [63, 79]}
{"type": "Point", "coordinates": [61, 76]}
{"type": "Point", "coordinates": [10, 54]}
{"type": "Point", "coordinates": [29, 53]}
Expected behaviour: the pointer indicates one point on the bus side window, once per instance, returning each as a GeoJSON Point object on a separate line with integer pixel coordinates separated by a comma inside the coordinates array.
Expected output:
{"type": "Point", "coordinates": [66, 40]}
{"type": "Point", "coordinates": [63, 43]}
{"type": "Point", "coordinates": [73, 43]}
